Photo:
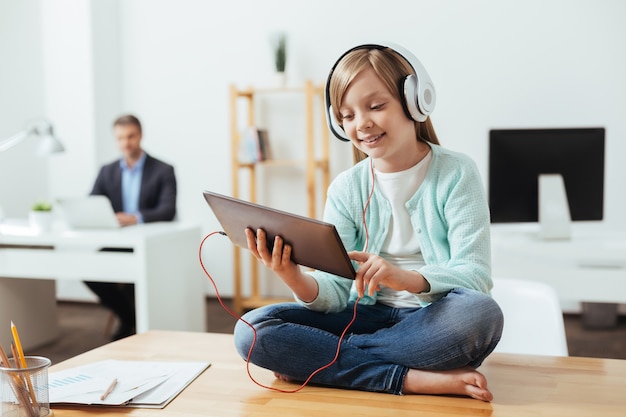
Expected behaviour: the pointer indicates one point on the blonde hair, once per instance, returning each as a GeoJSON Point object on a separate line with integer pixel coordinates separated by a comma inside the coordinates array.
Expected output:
{"type": "Point", "coordinates": [392, 70]}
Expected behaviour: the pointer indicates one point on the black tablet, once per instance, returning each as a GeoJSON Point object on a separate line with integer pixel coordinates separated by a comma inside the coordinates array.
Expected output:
{"type": "Point", "coordinates": [315, 244]}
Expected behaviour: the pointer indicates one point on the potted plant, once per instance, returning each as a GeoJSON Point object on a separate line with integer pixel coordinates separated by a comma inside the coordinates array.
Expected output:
{"type": "Point", "coordinates": [41, 216]}
{"type": "Point", "coordinates": [280, 57]}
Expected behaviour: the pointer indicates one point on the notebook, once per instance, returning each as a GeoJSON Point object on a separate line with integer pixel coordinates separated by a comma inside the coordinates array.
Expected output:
{"type": "Point", "coordinates": [314, 243]}
{"type": "Point", "coordinates": [141, 384]}
{"type": "Point", "coordinates": [90, 212]}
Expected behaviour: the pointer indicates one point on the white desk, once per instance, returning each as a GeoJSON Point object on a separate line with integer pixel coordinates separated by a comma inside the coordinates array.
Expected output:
{"type": "Point", "coordinates": [163, 265]}
{"type": "Point", "coordinates": [590, 267]}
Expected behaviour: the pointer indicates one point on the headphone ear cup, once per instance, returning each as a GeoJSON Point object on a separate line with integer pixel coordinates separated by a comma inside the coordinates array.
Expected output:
{"type": "Point", "coordinates": [417, 92]}
{"type": "Point", "coordinates": [334, 125]}
{"type": "Point", "coordinates": [410, 93]}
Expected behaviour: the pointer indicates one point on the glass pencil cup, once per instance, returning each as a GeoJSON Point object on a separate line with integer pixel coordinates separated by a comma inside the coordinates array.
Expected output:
{"type": "Point", "coordinates": [24, 390]}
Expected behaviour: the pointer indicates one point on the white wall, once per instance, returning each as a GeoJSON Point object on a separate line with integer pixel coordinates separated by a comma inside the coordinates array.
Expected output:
{"type": "Point", "coordinates": [495, 64]}
{"type": "Point", "coordinates": [22, 175]}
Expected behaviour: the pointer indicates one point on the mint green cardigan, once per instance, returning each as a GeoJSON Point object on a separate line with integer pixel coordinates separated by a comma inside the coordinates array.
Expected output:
{"type": "Point", "coordinates": [449, 212]}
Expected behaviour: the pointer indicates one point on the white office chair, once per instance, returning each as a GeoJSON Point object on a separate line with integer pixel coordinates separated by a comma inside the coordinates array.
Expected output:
{"type": "Point", "coordinates": [533, 320]}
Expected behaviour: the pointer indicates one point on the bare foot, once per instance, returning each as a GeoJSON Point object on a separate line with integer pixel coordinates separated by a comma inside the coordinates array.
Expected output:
{"type": "Point", "coordinates": [281, 377]}
{"type": "Point", "coordinates": [462, 381]}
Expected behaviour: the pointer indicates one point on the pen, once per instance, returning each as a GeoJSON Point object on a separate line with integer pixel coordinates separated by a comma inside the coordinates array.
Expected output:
{"type": "Point", "coordinates": [109, 390]}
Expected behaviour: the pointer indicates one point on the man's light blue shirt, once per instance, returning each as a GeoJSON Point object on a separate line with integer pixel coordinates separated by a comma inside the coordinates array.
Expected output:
{"type": "Point", "coordinates": [131, 186]}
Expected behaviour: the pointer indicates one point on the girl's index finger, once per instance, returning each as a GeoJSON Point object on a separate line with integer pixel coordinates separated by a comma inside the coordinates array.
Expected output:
{"type": "Point", "coordinates": [358, 256]}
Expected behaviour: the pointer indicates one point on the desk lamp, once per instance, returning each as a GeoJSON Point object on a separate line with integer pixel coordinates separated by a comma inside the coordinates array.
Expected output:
{"type": "Point", "coordinates": [47, 145]}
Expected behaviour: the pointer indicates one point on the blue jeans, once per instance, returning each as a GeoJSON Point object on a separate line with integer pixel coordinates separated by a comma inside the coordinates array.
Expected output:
{"type": "Point", "coordinates": [461, 329]}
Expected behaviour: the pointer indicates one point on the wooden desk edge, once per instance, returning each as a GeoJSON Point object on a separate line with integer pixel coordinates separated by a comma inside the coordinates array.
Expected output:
{"type": "Point", "coordinates": [523, 385]}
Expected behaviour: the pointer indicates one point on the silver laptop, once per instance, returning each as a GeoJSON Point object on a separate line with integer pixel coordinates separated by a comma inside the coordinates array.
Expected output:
{"type": "Point", "coordinates": [90, 212]}
{"type": "Point", "coordinates": [314, 243]}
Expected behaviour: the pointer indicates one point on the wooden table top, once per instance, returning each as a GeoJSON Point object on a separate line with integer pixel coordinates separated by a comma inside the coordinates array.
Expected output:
{"type": "Point", "coordinates": [523, 385]}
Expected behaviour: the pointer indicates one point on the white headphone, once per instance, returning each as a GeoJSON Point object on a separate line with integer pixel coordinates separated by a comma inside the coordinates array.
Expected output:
{"type": "Point", "coordinates": [417, 89]}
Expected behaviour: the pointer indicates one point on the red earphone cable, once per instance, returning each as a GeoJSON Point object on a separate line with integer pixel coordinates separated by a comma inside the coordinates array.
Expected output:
{"type": "Point", "coordinates": [254, 339]}
{"type": "Point", "coordinates": [236, 316]}
{"type": "Point", "coordinates": [367, 203]}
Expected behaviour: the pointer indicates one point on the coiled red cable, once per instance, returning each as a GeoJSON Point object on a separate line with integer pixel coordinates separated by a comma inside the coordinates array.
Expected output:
{"type": "Point", "coordinates": [236, 316]}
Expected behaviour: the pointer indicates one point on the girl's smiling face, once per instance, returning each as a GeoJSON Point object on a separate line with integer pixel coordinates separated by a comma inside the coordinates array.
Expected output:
{"type": "Point", "coordinates": [376, 123]}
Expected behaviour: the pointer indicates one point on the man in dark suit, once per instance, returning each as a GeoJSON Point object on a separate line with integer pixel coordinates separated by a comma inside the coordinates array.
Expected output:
{"type": "Point", "coordinates": [141, 189]}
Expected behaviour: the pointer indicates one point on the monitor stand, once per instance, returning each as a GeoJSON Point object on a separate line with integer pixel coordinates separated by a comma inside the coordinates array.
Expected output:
{"type": "Point", "coordinates": [554, 214]}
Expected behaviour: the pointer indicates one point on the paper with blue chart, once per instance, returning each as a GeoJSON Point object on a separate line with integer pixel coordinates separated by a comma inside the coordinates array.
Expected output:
{"type": "Point", "coordinates": [145, 384]}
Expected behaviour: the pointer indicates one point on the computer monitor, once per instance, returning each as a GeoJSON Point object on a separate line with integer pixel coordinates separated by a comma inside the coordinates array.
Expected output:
{"type": "Point", "coordinates": [518, 157]}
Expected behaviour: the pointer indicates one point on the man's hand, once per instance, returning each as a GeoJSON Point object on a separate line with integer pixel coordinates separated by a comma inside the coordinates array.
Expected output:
{"type": "Point", "coordinates": [126, 219]}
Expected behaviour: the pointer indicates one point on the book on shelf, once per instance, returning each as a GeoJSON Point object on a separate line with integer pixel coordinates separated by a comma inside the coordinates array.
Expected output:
{"type": "Point", "coordinates": [264, 145]}
{"type": "Point", "coordinates": [254, 145]}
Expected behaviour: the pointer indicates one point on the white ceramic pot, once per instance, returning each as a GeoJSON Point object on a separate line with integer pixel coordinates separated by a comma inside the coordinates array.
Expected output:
{"type": "Point", "coordinates": [41, 220]}
{"type": "Point", "coordinates": [280, 79]}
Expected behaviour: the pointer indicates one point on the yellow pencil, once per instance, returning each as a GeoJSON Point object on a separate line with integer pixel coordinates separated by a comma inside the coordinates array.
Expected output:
{"type": "Point", "coordinates": [19, 386]}
{"type": "Point", "coordinates": [18, 345]}
{"type": "Point", "coordinates": [22, 359]}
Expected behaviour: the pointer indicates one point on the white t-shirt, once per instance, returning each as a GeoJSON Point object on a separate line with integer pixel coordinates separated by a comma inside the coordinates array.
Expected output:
{"type": "Point", "coordinates": [401, 246]}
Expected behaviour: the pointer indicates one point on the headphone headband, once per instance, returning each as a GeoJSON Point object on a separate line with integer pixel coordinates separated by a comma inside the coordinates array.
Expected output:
{"type": "Point", "coordinates": [417, 90]}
